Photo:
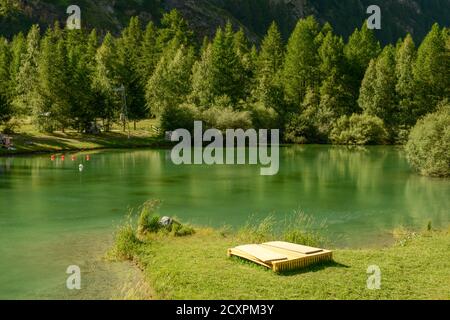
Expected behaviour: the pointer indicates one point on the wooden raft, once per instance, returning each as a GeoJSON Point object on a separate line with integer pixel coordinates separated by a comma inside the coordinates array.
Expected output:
{"type": "Point", "coordinates": [281, 256]}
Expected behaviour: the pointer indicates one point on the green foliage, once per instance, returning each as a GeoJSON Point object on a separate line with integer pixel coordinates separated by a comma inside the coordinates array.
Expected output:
{"type": "Point", "coordinates": [6, 110]}
{"type": "Point", "coordinates": [223, 118]}
{"type": "Point", "coordinates": [219, 71]}
{"type": "Point", "coordinates": [26, 94]}
{"type": "Point", "coordinates": [126, 243]}
{"type": "Point", "coordinates": [269, 63]}
{"type": "Point", "coordinates": [148, 219]}
{"type": "Point", "coordinates": [169, 87]}
{"type": "Point", "coordinates": [406, 85]}
{"type": "Point", "coordinates": [300, 70]}
{"type": "Point", "coordinates": [149, 223]}
{"type": "Point", "coordinates": [429, 144]}
{"type": "Point", "coordinates": [378, 93]}
{"type": "Point", "coordinates": [68, 79]}
{"type": "Point", "coordinates": [431, 71]}
{"type": "Point", "coordinates": [359, 130]}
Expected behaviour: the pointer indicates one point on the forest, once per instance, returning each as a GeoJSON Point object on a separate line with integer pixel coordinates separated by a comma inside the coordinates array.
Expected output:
{"type": "Point", "coordinates": [316, 88]}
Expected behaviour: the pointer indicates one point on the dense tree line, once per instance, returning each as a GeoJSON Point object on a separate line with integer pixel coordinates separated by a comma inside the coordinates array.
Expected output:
{"type": "Point", "coordinates": [315, 88]}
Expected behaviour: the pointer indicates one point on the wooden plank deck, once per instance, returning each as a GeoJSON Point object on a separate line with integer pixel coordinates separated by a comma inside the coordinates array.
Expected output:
{"type": "Point", "coordinates": [281, 256]}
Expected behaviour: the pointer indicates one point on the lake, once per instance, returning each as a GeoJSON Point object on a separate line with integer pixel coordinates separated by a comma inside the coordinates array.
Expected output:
{"type": "Point", "coordinates": [52, 215]}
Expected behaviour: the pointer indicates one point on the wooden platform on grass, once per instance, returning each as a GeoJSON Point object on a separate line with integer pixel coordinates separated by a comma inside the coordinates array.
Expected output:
{"type": "Point", "coordinates": [281, 256]}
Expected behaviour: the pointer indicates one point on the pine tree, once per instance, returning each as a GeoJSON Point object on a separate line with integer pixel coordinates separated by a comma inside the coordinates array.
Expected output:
{"type": "Point", "coordinates": [405, 87]}
{"type": "Point", "coordinates": [378, 96]}
{"type": "Point", "coordinates": [202, 93]}
{"type": "Point", "coordinates": [129, 63]}
{"type": "Point", "coordinates": [218, 74]}
{"type": "Point", "coordinates": [269, 64]}
{"type": "Point", "coordinates": [246, 63]}
{"type": "Point", "coordinates": [18, 50]}
{"type": "Point", "coordinates": [106, 80]}
{"type": "Point", "coordinates": [150, 53]}
{"type": "Point", "coordinates": [53, 84]}
{"type": "Point", "coordinates": [301, 67]}
{"type": "Point", "coordinates": [174, 28]}
{"type": "Point", "coordinates": [169, 86]}
{"type": "Point", "coordinates": [431, 71]}
{"type": "Point", "coordinates": [5, 60]}
{"type": "Point", "coordinates": [26, 95]}
{"type": "Point", "coordinates": [367, 91]}
{"type": "Point", "coordinates": [334, 91]}
{"type": "Point", "coordinates": [361, 48]}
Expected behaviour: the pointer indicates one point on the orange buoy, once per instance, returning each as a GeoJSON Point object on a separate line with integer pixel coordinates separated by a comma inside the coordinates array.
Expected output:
{"type": "Point", "coordinates": [88, 158]}
{"type": "Point", "coordinates": [53, 157]}
{"type": "Point", "coordinates": [74, 158]}
{"type": "Point", "coordinates": [63, 157]}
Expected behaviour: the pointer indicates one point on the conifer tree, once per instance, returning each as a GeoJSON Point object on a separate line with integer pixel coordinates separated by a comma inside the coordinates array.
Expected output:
{"type": "Point", "coordinates": [54, 87]}
{"type": "Point", "coordinates": [169, 86]}
{"type": "Point", "coordinates": [269, 64]}
{"type": "Point", "coordinates": [5, 60]}
{"type": "Point", "coordinates": [431, 71]}
{"type": "Point", "coordinates": [174, 28]}
{"type": "Point", "coordinates": [300, 70]}
{"type": "Point", "coordinates": [26, 95]}
{"type": "Point", "coordinates": [128, 66]}
{"type": "Point", "coordinates": [405, 87]}
{"type": "Point", "coordinates": [150, 54]}
{"type": "Point", "coordinates": [378, 94]}
{"type": "Point", "coordinates": [246, 63]}
{"type": "Point", "coordinates": [361, 48]}
{"type": "Point", "coordinates": [334, 91]}
{"type": "Point", "coordinates": [218, 74]}
{"type": "Point", "coordinates": [106, 80]}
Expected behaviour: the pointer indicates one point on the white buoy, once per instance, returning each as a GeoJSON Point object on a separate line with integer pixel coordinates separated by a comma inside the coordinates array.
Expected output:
{"type": "Point", "coordinates": [80, 167]}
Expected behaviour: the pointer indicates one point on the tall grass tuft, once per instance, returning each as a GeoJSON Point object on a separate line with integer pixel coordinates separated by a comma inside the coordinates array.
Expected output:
{"type": "Point", "coordinates": [126, 243]}
{"type": "Point", "coordinates": [298, 228]}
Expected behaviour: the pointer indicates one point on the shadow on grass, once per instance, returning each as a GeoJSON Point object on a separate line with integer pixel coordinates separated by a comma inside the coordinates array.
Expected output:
{"type": "Point", "coordinates": [31, 143]}
{"type": "Point", "coordinates": [312, 268]}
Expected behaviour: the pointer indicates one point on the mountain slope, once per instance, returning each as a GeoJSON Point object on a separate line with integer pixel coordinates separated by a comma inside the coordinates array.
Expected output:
{"type": "Point", "coordinates": [398, 16]}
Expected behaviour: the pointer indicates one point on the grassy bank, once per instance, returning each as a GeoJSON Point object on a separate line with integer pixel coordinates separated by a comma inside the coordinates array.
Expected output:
{"type": "Point", "coordinates": [28, 140]}
{"type": "Point", "coordinates": [197, 267]}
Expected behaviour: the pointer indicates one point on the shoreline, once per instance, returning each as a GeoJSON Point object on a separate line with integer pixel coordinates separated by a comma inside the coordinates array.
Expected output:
{"type": "Point", "coordinates": [40, 144]}
{"type": "Point", "coordinates": [398, 263]}
{"type": "Point", "coordinates": [37, 144]}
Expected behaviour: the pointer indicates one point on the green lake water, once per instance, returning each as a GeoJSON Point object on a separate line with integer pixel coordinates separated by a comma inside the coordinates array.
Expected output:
{"type": "Point", "coordinates": [52, 215]}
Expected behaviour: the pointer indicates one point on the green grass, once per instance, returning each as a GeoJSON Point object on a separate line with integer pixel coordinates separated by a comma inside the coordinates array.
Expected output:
{"type": "Point", "coordinates": [197, 267]}
{"type": "Point", "coordinates": [28, 140]}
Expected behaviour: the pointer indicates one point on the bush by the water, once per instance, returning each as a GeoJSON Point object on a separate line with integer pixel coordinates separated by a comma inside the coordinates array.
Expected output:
{"type": "Point", "coordinates": [428, 148]}
{"type": "Point", "coordinates": [126, 242]}
{"type": "Point", "coordinates": [359, 129]}
{"type": "Point", "coordinates": [150, 223]}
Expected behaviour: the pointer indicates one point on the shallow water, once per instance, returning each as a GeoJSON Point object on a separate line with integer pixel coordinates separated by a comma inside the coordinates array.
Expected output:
{"type": "Point", "coordinates": [52, 215]}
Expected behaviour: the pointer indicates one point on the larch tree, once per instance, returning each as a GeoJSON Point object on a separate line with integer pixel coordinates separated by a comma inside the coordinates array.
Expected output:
{"type": "Point", "coordinates": [378, 92]}
{"type": "Point", "coordinates": [26, 95]}
{"type": "Point", "coordinates": [406, 85]}
{"type": "Point", "coordinates": [431, 71]}
{"type": "Point", "coordinates": [301, 66]}
{"type": "Point", "coordinates": [269, 63]}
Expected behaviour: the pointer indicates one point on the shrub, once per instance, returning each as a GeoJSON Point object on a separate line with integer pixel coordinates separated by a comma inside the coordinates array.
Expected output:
{"type": "Point", "coordinates": [359, 129]}
{"type": "Point", "coordinates": [263, 117]}
{"type": "Point", "coordinates": [429, 144]}
{"type": "Point", "coordinates": [148, 220]}
{"type": "Point", "coordinates": [179, 117]}
{"type": "Point", "coordinates": [300, 129]}
{"type": "Point", "coordinates": [227, 118]}
{"type": "Point", "coordinates": [126, 243]}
